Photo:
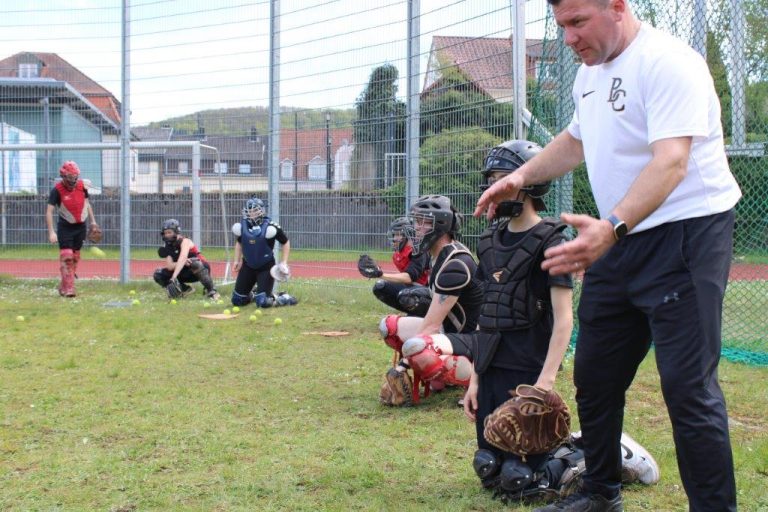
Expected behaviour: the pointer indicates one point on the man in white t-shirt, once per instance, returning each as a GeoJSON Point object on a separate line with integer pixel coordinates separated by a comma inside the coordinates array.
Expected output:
{"type": "Point", "coordinates": [647, 124]}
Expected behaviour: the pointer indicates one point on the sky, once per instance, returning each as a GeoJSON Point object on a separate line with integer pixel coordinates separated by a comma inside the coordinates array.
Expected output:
{"type": "Point", "coordinates": [191, 55]}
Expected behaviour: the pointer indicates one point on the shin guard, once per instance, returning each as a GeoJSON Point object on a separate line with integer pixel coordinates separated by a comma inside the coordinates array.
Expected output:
{"type": "Point", "coordinates": [388, 329]}
{"type": "Point", "coordinates": [67, 268]}
{"type": "Point", "coordinates": [423, 357]}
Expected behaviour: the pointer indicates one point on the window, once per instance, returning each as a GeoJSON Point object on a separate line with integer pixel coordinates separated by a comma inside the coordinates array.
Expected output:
{"type": "Point", "coordinates": [183, 167]}
{"type": "Point", "coordinates": [220, 167]}
{"type": "Point", "coordinates": [244, 169]}
{"type": "Point", "coordinates": [149, 167]}
{"type": "Point", "coordinates": [27, 70]}
{"type": "Point", "coordinates": [317, 169]}
{"type": "Point", "coordinates": [286, 170]}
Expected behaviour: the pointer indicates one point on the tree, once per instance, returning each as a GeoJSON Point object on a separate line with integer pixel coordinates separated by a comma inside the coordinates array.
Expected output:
{"type": "Point", "coordinates": [380, 117]}
{"type": "Point", "coordinates": [720, 77]}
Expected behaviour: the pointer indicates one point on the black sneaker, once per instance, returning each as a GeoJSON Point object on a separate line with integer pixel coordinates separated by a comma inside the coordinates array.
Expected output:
{"type": "Point", "coordinates": [584, 502]}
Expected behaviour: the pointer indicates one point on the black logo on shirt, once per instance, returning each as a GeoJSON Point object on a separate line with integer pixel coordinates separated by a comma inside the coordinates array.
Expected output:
{"type": "Point", "coordinates": [587, 94]}
{"type": "Point", "coordinates": [616, 95]}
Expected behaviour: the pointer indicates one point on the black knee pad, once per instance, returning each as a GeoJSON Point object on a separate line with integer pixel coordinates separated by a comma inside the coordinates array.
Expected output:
{"type": "Point", "coordinates": [515, 475]}
{"type": "Point", "coordinates": [486, 466]}
{"type": "Point", "coordinates": [160, 278]}
{"type": "Point", "coordinates": [378, 288]}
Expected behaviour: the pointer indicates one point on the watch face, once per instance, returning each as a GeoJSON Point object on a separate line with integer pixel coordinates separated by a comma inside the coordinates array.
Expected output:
{"type": "Point", "coordinates": [620, 230]}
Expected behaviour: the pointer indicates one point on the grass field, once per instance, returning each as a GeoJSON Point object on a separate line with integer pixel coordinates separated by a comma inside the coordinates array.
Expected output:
{"type": "Point", "coordinates": [148, 407]}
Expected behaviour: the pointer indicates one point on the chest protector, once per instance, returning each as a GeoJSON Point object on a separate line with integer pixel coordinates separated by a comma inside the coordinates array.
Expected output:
{"type": "Point", "coordinates": [256, 249]}
{"type": "Point", "coordinates": [510, 303]}
{"type": "Point", "coordinates": [72, 207]}
{"type": "Point", "coordinates": [463, 315]}
{"type": "Point", "coordinates": [173, 249]}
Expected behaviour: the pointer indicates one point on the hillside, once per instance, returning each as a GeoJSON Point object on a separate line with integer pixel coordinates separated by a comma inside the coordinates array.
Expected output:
{"type": "Point", "coordinates": [238, 121]}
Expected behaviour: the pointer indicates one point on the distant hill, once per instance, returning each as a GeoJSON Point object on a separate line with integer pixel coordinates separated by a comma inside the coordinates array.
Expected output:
{"type": "Point", "coordinates": [238, 121]}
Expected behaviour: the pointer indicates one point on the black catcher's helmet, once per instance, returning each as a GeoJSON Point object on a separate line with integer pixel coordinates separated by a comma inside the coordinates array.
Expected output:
{"type": "Point", "coordinates": [398, 232]}
{"type": "Point", "coordinates": [432, 217]}
{"type": "Point", "coordinates": [507, 157]}
{"type": "Point", "coordinates": [254, 211]}
{"type": "Point", "coordinates": [171, 224]}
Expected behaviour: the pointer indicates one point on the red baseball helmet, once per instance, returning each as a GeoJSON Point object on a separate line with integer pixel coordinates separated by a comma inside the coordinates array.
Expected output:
{"type": "Point", "coordinates": [69, 172]}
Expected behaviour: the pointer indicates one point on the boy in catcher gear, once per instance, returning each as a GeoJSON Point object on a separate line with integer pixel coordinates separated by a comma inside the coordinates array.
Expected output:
{"type": "Point", "coordinates": [525, 319]}
{"type": "Point", "coordinates": [412, 271]}
{"type": "Point", "coordinates": [255, 260]}
{"type": "Point", "coordinates": [524, 329]}
{"type": "Point", "coordinates": [70, 195]}
{"type": "Point", "coordinates": [456, 296]}
{"type": "Point", "coordinates": [647, 123]}
{"type": "Point", "coordinates": [183, 264]}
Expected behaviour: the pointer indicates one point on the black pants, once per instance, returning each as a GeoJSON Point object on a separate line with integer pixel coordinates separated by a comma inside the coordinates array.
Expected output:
{"type": "Point", "coordinates": [162, 275]}
{"type": "Point", "coordinates": [387, 293]}
{"type": "Point", "coordinates": [493, 390]}
{"type": "Point", "coordinates": [249, 277]}
{"type": "Point", "coordinates": [664, 285]}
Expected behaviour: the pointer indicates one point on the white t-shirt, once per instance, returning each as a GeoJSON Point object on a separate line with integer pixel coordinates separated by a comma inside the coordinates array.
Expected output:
{"type": "Point", "coordinates": [657, 88]}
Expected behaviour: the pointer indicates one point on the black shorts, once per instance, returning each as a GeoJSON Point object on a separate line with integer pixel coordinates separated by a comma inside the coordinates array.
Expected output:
{"type": "Point", "coordinates": [71, 236]}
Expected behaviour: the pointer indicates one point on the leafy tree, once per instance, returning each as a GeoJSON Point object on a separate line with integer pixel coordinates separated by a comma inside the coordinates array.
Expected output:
{"type": "Point", "coordinates": [720, 76]}
{"type": "Point", "coordinates": [451, 164]}
{"type": "Point", "coordinates": [380, 115]}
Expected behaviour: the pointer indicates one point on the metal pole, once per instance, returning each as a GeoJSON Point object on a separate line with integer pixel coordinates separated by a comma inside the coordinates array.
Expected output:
{"type": "Point", "coordinates": [2, 175]}
{"type": "Point", "coordinates": [699, 38]}
{"type": "Point", "coordinates": [413, 113]}
{"type": "Point", "coordinates": [328, 179]}
{"type": "Point", "coordinates": [738, 76]}
{"type": "Point", "coordinates": [274, 110]}
{"type": "Point", "coordinates": [518, 67]}
{"type": "Point", "coordinates": [295, 151]}
{"type": "Point", "coordinates": [196, 222]}
{"type": "Point", "coordinates": [125, 152]}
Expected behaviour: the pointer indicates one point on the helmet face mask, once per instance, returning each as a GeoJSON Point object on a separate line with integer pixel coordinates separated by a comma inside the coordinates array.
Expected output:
{"type": "Point", "coordinates": [506, 158]}
{"type": "Point", "coordinates": [432, 217]}
{"type": "Point", "coordinates": [254, 211]}
{"type": "Point", "coordinates": [70, 173]}
{"type": "Point", "coordinates": [170, 231]}
{"type": "Point", "coordinates": [398, 233]}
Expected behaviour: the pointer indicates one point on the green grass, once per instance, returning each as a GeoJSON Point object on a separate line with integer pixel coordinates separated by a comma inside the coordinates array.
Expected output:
{"type": "Point", "coordinates": [150, 408]}
{"type": "Point", "coordinates": [49, 252]}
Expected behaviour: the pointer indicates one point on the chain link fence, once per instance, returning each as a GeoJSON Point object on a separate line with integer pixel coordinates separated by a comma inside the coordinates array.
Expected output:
{"type": "Point", "coordinates": [338, 114]}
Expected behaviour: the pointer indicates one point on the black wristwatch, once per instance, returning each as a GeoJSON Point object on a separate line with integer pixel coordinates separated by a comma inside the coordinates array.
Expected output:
{"type": "Point", "coordinates": [620, 229]}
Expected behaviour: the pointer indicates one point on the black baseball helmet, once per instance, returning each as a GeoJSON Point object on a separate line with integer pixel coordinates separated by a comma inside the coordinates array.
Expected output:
{"type": "Point", "coordinates": [437, 211]}
{"type": "Point", "coordinates": [172, 224]}
{"type": "Point", "coordinates": [397, 234]}
{"type": "Point", "coordinates": [507, 157]}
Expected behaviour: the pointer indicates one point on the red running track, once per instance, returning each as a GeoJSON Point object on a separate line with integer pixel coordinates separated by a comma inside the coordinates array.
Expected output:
{"type": "Point", "coordinates": [140, 269]}
{"type": "Point", "coordinates": [110, 269]}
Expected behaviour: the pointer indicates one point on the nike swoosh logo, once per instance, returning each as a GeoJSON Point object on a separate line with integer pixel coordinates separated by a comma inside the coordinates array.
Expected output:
{"type": "Point", "coordinates": [629, 454]}
{"type": "Point", "coordinates": [587, 94]}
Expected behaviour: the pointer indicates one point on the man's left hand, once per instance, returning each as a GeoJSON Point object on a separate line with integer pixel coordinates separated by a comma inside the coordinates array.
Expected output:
{"type": "Point", "coordinates": [594, 239]}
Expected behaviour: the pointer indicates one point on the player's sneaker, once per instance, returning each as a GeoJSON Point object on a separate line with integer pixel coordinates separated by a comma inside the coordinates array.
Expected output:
{"type": "Point", "coordinates": [213, 295]}
{"type": "Point", "coordinates": [637, 465]}
{"type": "Point", "coordinates": [584, 502]}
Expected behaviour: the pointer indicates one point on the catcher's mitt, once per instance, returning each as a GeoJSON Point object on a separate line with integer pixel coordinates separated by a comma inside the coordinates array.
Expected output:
{"type": "Point", "coordinates": [174, 289]}
{"type": "Point", "coordinates": [94, 233]}
{"type": "Point", "coordinates": [533, 421]}
{"type": "Point", "coordinates": [397, 389]}
{"type": "Point", "coordinates": [368, 267]}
